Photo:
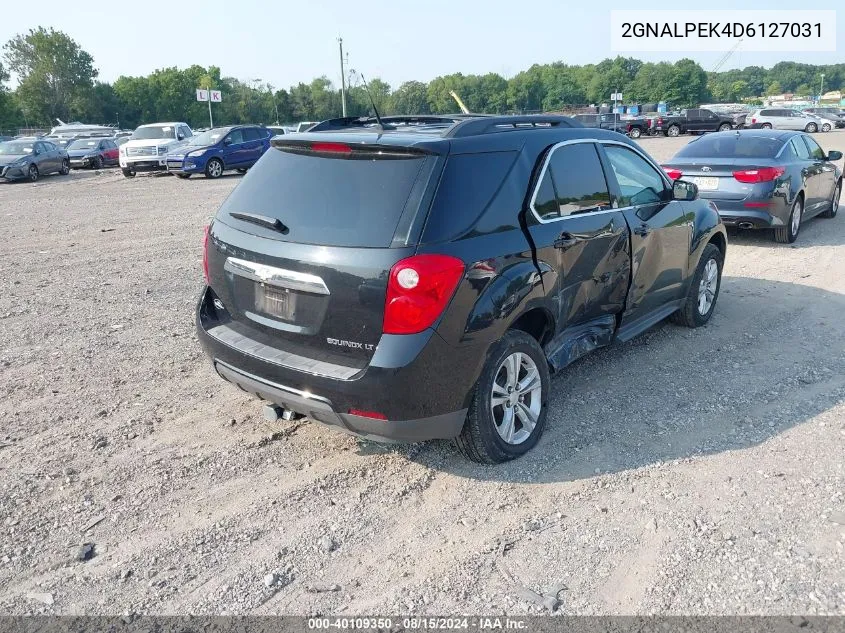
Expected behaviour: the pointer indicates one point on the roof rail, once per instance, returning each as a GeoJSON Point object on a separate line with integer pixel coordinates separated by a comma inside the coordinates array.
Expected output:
{"type": "Point", "coordinates": [490, 125]}
{"type": "Point", "coordinates": [343, 123]}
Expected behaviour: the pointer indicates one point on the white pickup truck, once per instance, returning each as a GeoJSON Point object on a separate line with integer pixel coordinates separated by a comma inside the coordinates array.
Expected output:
{"type": "Point", "coordinates": [147, 149]}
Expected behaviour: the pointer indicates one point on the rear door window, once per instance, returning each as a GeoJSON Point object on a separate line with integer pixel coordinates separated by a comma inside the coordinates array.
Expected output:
{"type": "Point", "coordinates": [799, 148]}
{"type": "Point", "coordinates": [352, 199]}
{"type": "Point", "coordinates": [578, 181]}
{"type": "Point", "coordinates": [251, 134]}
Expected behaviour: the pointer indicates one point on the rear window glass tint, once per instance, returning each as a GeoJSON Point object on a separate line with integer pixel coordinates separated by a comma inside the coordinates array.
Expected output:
{"type": "Point", "coordinates": [466, 188]}
{"type": "Point", "coordinates": [731, 146]}
{"type": "Point", "coordinates": [326, 201]}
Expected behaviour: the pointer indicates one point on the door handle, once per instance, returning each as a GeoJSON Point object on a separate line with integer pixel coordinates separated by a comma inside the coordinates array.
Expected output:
{"type": "Point", "coordinates": [566, 240]}
{"type": "Point", "coordinates": [642, 230]}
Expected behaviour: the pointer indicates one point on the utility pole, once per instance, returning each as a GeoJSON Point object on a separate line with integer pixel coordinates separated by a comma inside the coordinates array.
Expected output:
{"type": "Point", "coordinates": [821, 89]}
{"type": "Point", "coordinates": [342, 78]}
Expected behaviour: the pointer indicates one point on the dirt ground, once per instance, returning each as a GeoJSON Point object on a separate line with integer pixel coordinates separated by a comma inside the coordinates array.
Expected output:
{"type": "Point", "coordinates": [686, 472]}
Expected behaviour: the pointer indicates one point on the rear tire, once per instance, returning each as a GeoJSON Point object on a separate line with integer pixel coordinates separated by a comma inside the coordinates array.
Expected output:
{"type": "Point", "coordinates": [673, 131]}
{"type": "Point", "coordinates": [834, 202]}
{"type": "Point", "coordinates": [825, 127]}
{"type": "Point", "coordinates": [496, 412]}
{"type": "Point", "coordinates": [635, 132]}
{"type": "Point", "coordinates": [811, 128]}
{"type": "Point", "coordinates": [789, 233]}
{"type": "Point", "coordinates": [697, 311]}
{"type": "Point", "coordinates": [184, 176]}
{"type": "Point", "coordinates": [725, 127]}
{"type": "Point", "coordinates": [766, 126]}
{"type": "Point", "coordinates": [241, 170]}
{"type": "Point", "coordinates": [128, 173]}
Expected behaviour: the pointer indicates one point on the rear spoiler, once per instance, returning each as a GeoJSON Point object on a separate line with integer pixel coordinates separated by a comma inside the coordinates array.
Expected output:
{"type": "Point", "coordinates": [342, 149]}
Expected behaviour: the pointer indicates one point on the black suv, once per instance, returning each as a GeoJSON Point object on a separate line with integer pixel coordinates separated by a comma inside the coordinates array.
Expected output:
{"type": "Point", "coordinates": [420, 277]}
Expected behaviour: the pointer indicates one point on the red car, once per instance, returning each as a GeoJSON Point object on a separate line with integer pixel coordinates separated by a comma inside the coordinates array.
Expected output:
{"type": "Point", "coordinates": [93, 153]}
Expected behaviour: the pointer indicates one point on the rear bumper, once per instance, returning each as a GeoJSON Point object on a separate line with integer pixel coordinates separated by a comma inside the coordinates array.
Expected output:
{"type": "Point", "coordinates": [419, 382]}
{"type": "Point", "coordinates": [322, 410]}
{"type": "Point", "coordinates": [735, 213]}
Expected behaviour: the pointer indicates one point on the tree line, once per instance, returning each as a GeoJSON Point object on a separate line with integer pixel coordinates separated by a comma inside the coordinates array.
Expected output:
{"type": "Point", "coordinates": [58, 79]}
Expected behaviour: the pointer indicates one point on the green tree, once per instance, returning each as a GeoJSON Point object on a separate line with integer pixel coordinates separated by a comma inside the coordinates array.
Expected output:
{"type": "Point", "coordinates": [409, 98]}
{"type": "Point", "coordinates": [774, 89]}
{"type": "Point", "coordinates": [56, 75]}
{"type": "Point", "coordinates": [688, 84]}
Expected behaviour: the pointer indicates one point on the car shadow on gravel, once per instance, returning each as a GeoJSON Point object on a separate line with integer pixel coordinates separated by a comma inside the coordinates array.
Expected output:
{"type": "Point", "coordinates": [772, 357]}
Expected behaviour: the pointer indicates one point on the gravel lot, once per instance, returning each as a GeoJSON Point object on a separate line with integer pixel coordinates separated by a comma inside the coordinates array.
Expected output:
{"type": "Point", "coordinates": [686, 472]}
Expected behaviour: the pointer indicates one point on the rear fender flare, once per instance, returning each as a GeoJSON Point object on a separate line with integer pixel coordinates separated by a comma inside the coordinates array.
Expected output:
{"type": "Point", "coordinates": [513, 292]}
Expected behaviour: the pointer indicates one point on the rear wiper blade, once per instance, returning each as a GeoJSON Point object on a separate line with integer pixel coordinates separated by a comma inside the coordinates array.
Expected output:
{"type": "Point", "coordinates": [263, 220]}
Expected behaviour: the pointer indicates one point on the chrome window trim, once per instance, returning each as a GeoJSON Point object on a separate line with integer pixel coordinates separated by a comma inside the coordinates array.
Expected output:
{"type": "Point", "coordinates": [596, 141]}
{"type": "Point", "coordinates": [276, 276]}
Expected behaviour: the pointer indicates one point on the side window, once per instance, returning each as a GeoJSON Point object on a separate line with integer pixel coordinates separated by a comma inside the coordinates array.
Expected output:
{"type": "Point", "coordinates": [545, 200]}
{"type": "Point", "coordinates": [639, 182]}
{"type": "Point", "coordinates": [187, 131]}
{"type": "Point", "coordinates": [251, 134]}
{"type": "Point", "coordinates": [816, 152]}
{"type": "Point", "coordinates": [578, 181]}
{"type": "Point", "coordinates": [236, 136]}
{"type": "Point", "coordinates": [799, 148]}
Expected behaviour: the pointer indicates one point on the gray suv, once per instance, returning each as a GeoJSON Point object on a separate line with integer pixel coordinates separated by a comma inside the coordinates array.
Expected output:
{"type": "Point", "coordinates": [787, 119]}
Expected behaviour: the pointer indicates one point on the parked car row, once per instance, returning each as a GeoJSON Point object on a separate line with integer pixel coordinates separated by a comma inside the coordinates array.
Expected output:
{"type": "Point", "coordinates": [703, 120]}
{"type": "Point", "coordinates": [170, 146]}
{"type": "Point", "coordinates": [432, 309]}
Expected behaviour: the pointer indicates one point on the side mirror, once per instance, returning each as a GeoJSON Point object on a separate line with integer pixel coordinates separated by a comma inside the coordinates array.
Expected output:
{"type": "Point", "coordinates": [227, 141]}
{"type": "Point", "coordinates": [180, 137]}
{"type": "Point", "coordinates": [834, 155]}
{"type": "Point", "coordinates": [684, 191]}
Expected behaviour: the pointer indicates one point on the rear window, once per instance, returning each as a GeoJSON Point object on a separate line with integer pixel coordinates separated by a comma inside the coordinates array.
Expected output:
{"type": "Point", "coordinates": [731, 146]}
{"type": "Point", "coordinates": [328, 200]}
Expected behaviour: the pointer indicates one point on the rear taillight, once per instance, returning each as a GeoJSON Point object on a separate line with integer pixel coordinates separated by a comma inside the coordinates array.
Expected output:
{"type": "Point", "coordinates": [753, 121]}
{"type": "Point", "coordinates": [674, 174]}
{"type": "Point", "coordinates": [763, 174]}
{"type": "Point", "coordinates": [205, 255]}
{"type": "Point", "coordinates": [418, 290]}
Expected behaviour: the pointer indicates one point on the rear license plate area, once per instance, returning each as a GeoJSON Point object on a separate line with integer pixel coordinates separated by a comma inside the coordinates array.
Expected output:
{"type": "Point", "coordinates": [706, 183]}
{"type": "Point", "coordinates": [275, 302]}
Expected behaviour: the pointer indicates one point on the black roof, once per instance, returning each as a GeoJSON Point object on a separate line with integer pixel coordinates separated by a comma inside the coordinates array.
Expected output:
{"type": "Point", "coordinates": [445, 125]}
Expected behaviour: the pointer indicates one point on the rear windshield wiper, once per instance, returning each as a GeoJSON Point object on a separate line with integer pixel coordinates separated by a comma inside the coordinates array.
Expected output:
{"type": "Point", "coordinates": [263, 220]}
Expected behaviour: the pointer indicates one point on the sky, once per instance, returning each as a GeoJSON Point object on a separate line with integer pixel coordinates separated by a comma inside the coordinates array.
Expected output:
{"type": "Point", "coordinates": [283, 43]}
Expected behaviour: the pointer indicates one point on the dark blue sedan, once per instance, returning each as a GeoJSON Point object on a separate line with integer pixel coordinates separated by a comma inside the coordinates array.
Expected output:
{"type": "Point", "coordinates": [219, 149]}
{"type": "Point", "coordinates": [762, 179]}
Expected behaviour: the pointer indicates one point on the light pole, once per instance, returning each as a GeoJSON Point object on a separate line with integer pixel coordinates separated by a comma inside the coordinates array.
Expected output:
{"type": "Point", "coordinates": [271, 90]}
{"type": "Point", "coordinates": [821, 89]}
